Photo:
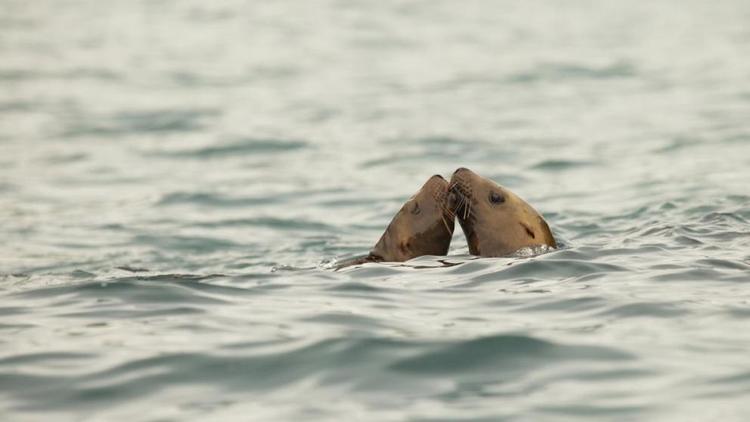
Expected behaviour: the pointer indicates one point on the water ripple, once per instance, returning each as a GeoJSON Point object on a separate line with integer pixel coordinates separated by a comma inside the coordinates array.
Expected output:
{"type": "Point", "coordinates": [177, 178]}
{"type": "Point", "coordinates": [500, 353]}
{"type": "Point", "coordinates": [568, 71]}
{"type": "Point", "coordinates": [244, 147]}
{"type": "Point", "coordinates": [128, 123]}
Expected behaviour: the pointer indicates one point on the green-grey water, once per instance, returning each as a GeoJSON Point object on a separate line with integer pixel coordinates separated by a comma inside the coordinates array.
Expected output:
{"type": "Point", "coordinates": [178, 177]}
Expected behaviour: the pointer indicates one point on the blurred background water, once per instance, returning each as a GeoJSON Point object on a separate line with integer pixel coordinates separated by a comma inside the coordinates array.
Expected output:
{"type": "Point", "coordinates": [176, 175]}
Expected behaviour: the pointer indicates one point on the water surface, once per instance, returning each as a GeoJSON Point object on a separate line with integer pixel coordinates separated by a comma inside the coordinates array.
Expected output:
{"type": "Point", "coordinates": [177, 177]}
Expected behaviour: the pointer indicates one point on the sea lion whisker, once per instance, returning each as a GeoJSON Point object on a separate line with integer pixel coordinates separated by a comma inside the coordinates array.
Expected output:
{"type": "Point", "coordinates": [441, 201]}
{"type": "Point", "coordinates": [446, 210]}
{"type": "Point", "coordinates": [460, 205]}
{"type": "Point", "coordinates": [445, 223]}
{"type": "Point", "coordinates": [461, 200]}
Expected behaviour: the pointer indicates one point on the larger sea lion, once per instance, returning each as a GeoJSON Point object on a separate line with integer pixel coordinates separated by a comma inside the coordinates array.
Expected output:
{"type": "Point", "coordinates": [496, 221]}
{"type": "Point", "coordinates": [423, 226]}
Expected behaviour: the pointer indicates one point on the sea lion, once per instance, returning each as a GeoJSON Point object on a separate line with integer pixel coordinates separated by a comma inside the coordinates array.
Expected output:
{"type": "Point", "coordinates": [496, 221]}
{"type": "Point", "coordinates": [423, 226]}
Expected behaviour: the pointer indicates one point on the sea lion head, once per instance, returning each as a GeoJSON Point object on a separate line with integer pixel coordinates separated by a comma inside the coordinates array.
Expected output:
{"type": "Point", "coordinates": [423, 226]}
{"type": "Point", "coordinates": [496, 221]}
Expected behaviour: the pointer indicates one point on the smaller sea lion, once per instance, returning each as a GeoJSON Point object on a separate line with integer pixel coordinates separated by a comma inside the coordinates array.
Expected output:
{"type": "Point", "coordinates": [496, 221]}
{"type": "Point", "coordinates": [423, 226]}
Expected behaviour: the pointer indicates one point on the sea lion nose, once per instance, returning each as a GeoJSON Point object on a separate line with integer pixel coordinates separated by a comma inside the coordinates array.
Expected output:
{"type": "Point", "coordinates": [438, 176]}
{"type": "Point", "coordinates": [461, 170]}
{"type": "Point", "coordinates": [452, 199]}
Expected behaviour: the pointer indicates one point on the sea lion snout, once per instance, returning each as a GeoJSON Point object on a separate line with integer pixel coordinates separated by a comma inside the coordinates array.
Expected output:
{"type": "Point", "coordinates": [460, 188]}
{"type": "Point", "coordinates": [462, 181]}
{"type": "Point", "coordinates": [436, 184]}
{"type": "Point", "coordinates": [461, 170]}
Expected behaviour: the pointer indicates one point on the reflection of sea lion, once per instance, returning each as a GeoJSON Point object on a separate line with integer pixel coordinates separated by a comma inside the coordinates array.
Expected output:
{"type": "Point", "coordinates": [423, 226]}
{"type": "Point", "coordinates": [495, 220]}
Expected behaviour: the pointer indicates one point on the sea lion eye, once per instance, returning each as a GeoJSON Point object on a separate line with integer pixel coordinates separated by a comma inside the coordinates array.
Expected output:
{"type": "Point", "coordinates": [496, 198]}
{"type": "Point", "coordinates": [416, 209]}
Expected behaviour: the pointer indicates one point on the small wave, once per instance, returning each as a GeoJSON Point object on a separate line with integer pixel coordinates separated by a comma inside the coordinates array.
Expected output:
{"type": "Point", "coordinates": [347, 320]}
{"type": "Point", "coordinates": [43, 358]}
{"type": "Point", "coordinates": [724, 218]}
{"type": "Point", "coordinates": [557, 165]}
{"type": "Point", "coordinates": [194, 244]}
{"type": "Point", "coordinates": [110, 313]}
{"type": "Point", "coordinates": [702, 274]}
{"type": "Point", "coordinates": [541, 269]}
{"type": "Point", "coordinates": [136, 122]}
{"type": "Point", "coordinates": [645, 309]}
{"type": "Point", "coordinates": [213, 199]}
{"type": "Point", "coordinates": [569, 71]}
{"type": "Point", "coordinates": [13, 310]}
{"type": "Point", "coordinates": [356, 287]}
{"type": "Point", "coordinates": [499, 353]}
{"type": "Point", "coordinates": [270, 222]}
{"type": "Point", "coordinates": [187, 78]}
{"type": "Point", "coordinates": [678, 144]}
{"type": "Point", "coordinates": [568, 305]}
{"type": "Point", "coordinates": [22, 75]}
{"type": "Point", "coordinates": [7, 187]}
{"type": "Point", "coordinates": [412, 157]}
{"type": "Point", "coordinates": [238, 148]}
{"type": "Point", "coordinates": [66, 158]}
{"type": "Point", "coordinates": [531, 251]}
{"type": "Point", "coordinates": [16, 106]}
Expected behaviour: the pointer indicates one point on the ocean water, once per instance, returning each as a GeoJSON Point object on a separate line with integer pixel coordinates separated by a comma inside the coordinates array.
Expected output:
{"type": "Point", "coordinates": [178, 177]}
